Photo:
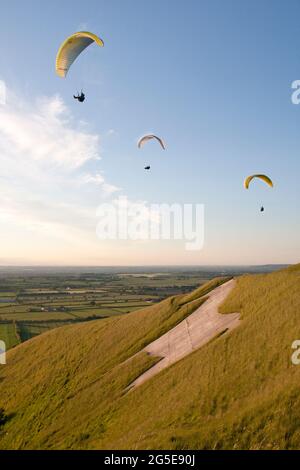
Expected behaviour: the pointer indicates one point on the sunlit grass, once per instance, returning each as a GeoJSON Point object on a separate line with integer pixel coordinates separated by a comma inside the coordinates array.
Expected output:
{"type": "Point", "coordinates": [8, 334]}
{"type": "Point", "coordinates": [67, 383]}
{"type": "Point", "coordinates": [66, 388]}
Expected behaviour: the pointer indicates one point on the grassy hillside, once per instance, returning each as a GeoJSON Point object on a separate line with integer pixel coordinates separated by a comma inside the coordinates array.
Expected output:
{"type": "Point", "coordinates": [62, 388]}
{"type": "Point", "coordinates": [9, 334]}
{"type": "Point", "coordinates": [65, 389]}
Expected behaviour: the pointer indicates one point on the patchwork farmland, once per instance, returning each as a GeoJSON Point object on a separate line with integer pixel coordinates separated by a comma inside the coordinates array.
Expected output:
{"type": "Point", "coordinates": [36, 301]}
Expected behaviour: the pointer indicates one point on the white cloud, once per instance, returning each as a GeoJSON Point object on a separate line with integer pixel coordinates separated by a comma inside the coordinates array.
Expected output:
{"type": "Point", "coordinates": [45, 133]}
{"type": "Point", "coordinates": [2, 93]}
{"type": "Point", "coordinates": [48, 189]}
{"type": "Point", "coordinates": [82, 27]}
{"type": "Point", "coordinates": [43, 159]}
{"type": "Point", "coordinates": [98, 180]}
{"type": "Point", "coordinates": [112, 132]}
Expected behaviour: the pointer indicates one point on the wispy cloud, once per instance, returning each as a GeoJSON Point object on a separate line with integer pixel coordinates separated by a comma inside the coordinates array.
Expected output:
{"type": "Point", "coordinates": [48, 190]}
{"type": "Point", "coordinates": [44, 133]}
{"type": "Point", "coordinates": [43, 160]}
{"type": "Point", "coordinates": [82, 26]}
{"type": "Point", "coordinates": [98, 180]}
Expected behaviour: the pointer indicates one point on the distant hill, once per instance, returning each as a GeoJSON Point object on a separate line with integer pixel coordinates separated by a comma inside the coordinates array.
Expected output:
{"type": "Point", "coordinates": [76, 270]}
{"type": "Point", "coordinates": [67, 388]}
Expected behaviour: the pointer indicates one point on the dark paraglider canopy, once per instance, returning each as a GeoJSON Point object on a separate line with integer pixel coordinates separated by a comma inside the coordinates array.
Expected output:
{"type": "Point", "coordinates": [262, 209]}
{"type": "Point", "coordinates": [147, 167]}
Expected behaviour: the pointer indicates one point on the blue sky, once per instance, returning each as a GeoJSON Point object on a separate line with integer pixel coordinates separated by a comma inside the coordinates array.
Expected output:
{"type": "Point", "coordinates": [213, 78]}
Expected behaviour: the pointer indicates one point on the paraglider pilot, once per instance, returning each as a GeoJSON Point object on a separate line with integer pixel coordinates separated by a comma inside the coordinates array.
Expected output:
{"type": "Point", "coordinates": [80, 97]}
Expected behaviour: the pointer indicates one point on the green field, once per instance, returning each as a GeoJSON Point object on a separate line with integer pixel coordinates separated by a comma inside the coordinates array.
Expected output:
{"type": "Point", "coordinates": [33, 302]}
{"type": "Point", "coordinates": [27, 330]}
{"type": "Point", "coordinates": [9, 335]}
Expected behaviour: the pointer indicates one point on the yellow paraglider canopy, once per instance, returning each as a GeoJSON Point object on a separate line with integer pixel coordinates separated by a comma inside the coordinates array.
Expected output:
{"type": "Point", "coordinates": [72, 48]}
{"type": "Point", "coordinates": [264, 178]}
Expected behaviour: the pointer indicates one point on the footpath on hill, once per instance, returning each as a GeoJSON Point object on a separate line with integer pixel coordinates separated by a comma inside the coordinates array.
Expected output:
{"type": "Point", "coordinates": [196, 330]}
